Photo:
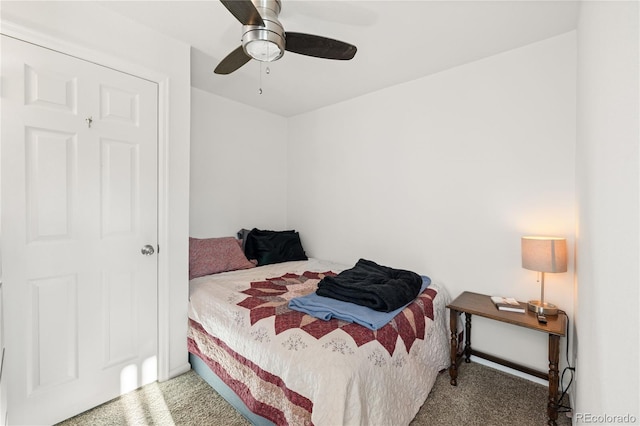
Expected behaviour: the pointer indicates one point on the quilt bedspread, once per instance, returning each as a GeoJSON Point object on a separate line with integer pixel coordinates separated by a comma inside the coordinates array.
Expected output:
{"type": "Point", "coordinates": [295, 369]}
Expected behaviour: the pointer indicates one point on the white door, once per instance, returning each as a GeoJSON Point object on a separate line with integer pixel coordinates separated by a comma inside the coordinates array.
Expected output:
{"type": "Point", "coordinates": [79, 202]}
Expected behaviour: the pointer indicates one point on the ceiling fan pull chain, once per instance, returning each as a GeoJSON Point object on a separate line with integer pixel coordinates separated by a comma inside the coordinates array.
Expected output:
{"type": "Point", "coordinates": [260, 89]}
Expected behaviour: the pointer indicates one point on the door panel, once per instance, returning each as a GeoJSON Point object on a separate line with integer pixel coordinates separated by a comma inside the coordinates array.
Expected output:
{"type": "Point", "coordinates": [52, 333]}
{"type": "Point", "coordinates": [79, 200]}
{"type": "Point", "coordinates": [51, 183]}
{"type": "Point", "coordinates": [119, 106]}
{"type": "Point", "coordinates": [50, 89]}
{"type": "Point", "coordinates": [120, 171]}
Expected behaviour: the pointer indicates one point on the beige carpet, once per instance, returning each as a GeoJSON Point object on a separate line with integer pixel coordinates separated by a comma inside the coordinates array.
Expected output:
{"type": "Point", "coordinates": [484, 396]}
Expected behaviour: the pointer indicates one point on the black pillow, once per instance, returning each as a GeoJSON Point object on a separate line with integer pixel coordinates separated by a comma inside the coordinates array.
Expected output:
{"type": "Point", "coordinates": [273, 246]}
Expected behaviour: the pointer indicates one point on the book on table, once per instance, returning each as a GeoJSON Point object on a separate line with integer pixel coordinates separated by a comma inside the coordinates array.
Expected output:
{"type": "Point", "coordinates": [507, 304]}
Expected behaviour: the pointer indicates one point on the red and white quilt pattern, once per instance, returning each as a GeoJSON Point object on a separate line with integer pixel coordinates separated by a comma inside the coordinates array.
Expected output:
{"type": "Point", "coordinates": [295, 369]}
{"type": "Point", "coordinates": [271, 297]}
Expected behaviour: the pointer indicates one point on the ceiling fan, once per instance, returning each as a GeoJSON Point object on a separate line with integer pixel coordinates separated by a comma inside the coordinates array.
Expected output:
{"type": "Point", "coordinates": [264, 38]}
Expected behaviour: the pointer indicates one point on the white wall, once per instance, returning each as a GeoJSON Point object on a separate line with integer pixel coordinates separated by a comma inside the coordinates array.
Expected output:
{"type": "Point", "coordinates": [608, 248]}
{"type": "Point", "coordinates": [91, 32]}
{"type": "Point", "coordinates": [238, 167]}
{"type": "Point", "coordinates": [443, 175]}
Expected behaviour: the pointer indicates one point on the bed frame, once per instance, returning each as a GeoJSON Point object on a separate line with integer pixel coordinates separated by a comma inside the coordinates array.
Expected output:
{"type": "Point", "coordinates": [203, 370]}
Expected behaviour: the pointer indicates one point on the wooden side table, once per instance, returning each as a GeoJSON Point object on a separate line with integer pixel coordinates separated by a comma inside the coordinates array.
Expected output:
{"type": "Point", "coordinates": [481, 305]}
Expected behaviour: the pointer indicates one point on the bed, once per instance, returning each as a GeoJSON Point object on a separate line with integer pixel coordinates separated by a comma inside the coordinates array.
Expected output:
{"type": "Point", "coordinates": [280, 366]}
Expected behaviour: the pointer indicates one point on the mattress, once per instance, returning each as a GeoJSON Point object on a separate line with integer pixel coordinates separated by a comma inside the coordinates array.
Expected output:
{"type": "Point", "coordinates": [294, 369]}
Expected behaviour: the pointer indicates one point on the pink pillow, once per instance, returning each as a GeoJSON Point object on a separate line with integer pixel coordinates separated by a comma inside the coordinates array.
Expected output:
{"type": "Point", "coordinates": [213, 255]}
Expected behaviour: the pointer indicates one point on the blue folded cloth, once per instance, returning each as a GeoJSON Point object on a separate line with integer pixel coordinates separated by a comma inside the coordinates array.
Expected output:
{"type": "Point", "coordinates": [326, 308]}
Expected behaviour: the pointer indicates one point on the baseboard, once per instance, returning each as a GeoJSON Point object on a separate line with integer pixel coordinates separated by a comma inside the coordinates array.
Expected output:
{"type": "Point", "coordinates": [509, 370]}
{"type": "Point", "coordinates": [178, 371]}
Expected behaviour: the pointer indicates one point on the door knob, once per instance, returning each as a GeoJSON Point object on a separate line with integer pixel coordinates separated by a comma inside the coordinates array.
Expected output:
{"type": "Point", "coordinates": [147, 250]}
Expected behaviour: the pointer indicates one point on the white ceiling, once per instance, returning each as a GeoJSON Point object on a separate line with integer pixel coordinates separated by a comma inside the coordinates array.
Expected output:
{"type": "Point", "coordinates": [397, 41]}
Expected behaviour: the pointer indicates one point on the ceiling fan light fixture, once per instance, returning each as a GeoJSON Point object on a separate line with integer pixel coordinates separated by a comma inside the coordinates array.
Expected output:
{"type": "Point", "coordinates": [263, 50]}
{"type": "Point", "coordinates": [265, 42]}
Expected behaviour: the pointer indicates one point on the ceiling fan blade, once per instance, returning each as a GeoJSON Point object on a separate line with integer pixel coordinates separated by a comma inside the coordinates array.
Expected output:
{"type": "Point", "coordinates": [232, 61]}
{"type": "Point", "coordinates": [319, 47]}
{"type": "Point", "coordinates": [244, 11]}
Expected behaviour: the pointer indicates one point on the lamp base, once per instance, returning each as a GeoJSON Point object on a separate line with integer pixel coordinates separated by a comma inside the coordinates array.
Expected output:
{"type": "Point", "coordinates": [543, 308]}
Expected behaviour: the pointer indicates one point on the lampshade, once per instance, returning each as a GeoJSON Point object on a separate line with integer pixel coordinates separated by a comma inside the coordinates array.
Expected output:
{"type": "Point", "coordinates": [544, 254]}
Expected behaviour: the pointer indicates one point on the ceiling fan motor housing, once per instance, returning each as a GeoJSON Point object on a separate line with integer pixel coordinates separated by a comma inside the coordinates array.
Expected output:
{"type": "Point", "coordinates": [265, 43]}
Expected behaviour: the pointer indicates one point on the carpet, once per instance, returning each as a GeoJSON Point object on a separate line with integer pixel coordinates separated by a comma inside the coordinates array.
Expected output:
{"type": "Point", "coordinates": [484, 396]}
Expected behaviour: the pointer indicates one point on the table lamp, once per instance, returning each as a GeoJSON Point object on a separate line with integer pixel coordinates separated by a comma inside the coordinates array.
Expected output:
{"type": "Point", "coordinates": [544, 254]}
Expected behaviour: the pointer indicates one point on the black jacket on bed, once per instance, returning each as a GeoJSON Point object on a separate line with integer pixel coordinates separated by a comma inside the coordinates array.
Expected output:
{"type": "Point", "coordinates": [369, 284]}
